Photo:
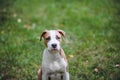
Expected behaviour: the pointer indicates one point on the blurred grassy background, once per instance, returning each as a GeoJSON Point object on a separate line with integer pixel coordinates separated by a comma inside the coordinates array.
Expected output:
{"type": "Point", "coordinates": [92, 44]}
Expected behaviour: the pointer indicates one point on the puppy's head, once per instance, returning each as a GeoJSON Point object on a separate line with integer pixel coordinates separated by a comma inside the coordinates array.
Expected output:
{"type": "Point", "coordinates": [52, 39]}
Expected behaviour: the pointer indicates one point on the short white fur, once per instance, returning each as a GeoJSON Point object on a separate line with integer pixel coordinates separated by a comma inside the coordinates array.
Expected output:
{"type": "Point", "coordinates": [52, 61]}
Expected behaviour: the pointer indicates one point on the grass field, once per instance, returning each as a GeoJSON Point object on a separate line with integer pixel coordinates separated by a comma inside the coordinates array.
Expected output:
{"type": "Point", "coordinates": [92, 42]}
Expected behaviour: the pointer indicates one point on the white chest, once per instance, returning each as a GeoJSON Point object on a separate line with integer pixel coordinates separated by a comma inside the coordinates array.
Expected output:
{"type": "Point", "coordinates": [53, 63]}
{"type": "Point", "coordinates": [56, 66]}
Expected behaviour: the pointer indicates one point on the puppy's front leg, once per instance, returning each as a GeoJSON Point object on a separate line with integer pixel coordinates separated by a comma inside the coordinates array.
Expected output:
{"type": "Point", "coordinates": [60, 76]}
{"type": "Point", "coordinates": [55, 76]}
{"type": "Point", "coordinates": [51, 77]}
{"type": "Point", "coordinates": [44, 76]}
{"type": "Point", "coordinates": [67, 76]}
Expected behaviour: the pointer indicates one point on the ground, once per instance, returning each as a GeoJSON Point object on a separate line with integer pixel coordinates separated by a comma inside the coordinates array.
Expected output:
{"type": "Point", "coordinates": [92, 42]}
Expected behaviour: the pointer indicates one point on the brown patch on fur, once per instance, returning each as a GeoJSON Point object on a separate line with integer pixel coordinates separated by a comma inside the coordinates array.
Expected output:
{"type": "Point", "coordinates": [40, 74]}
{"type": "Point", "coordinates": [61, 32]}
{"type": "Point", "coordinates": [63, 56]}
{"type": "Point", "coordinates": [45, 35]}
{"type": "Point", "coordinates": [59, 36]}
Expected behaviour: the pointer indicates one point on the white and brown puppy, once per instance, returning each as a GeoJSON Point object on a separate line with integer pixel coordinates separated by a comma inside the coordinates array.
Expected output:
{"type": "Point", "coordinates": [54, 62]}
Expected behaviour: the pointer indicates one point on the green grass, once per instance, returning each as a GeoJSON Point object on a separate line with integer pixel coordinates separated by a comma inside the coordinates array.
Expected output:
{"type": "Point", "coordinates": [92, 42]}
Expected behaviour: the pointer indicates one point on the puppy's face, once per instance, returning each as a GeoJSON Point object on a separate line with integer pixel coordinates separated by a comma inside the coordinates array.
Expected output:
{"type": "Point", "coordinates": [52, 39]}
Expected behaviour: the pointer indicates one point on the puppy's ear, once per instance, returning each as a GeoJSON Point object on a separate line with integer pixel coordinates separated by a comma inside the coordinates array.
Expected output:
{"type": "Point", "coordinates": [43, 33]}
{"type": "Point", "coordinates": [61, 32]}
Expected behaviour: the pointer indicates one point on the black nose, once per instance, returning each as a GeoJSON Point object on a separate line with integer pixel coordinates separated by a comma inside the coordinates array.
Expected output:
{"type": "Point", "coordinates": [54, 45]}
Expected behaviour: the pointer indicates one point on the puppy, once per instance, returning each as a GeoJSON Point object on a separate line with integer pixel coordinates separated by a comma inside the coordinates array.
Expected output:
{"type": "Point", "coordinates": [54, 62]}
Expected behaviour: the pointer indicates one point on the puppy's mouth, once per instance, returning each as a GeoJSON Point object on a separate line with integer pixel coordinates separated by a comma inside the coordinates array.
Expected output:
{"type": "Point", "coordinates": [54, 49]}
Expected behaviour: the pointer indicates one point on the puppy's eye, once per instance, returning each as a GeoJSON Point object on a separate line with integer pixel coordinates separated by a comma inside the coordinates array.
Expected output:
{"type": "Point", "coordinates": [48, 38]}
{"type": "Point", "coordinates": [57, 37]}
